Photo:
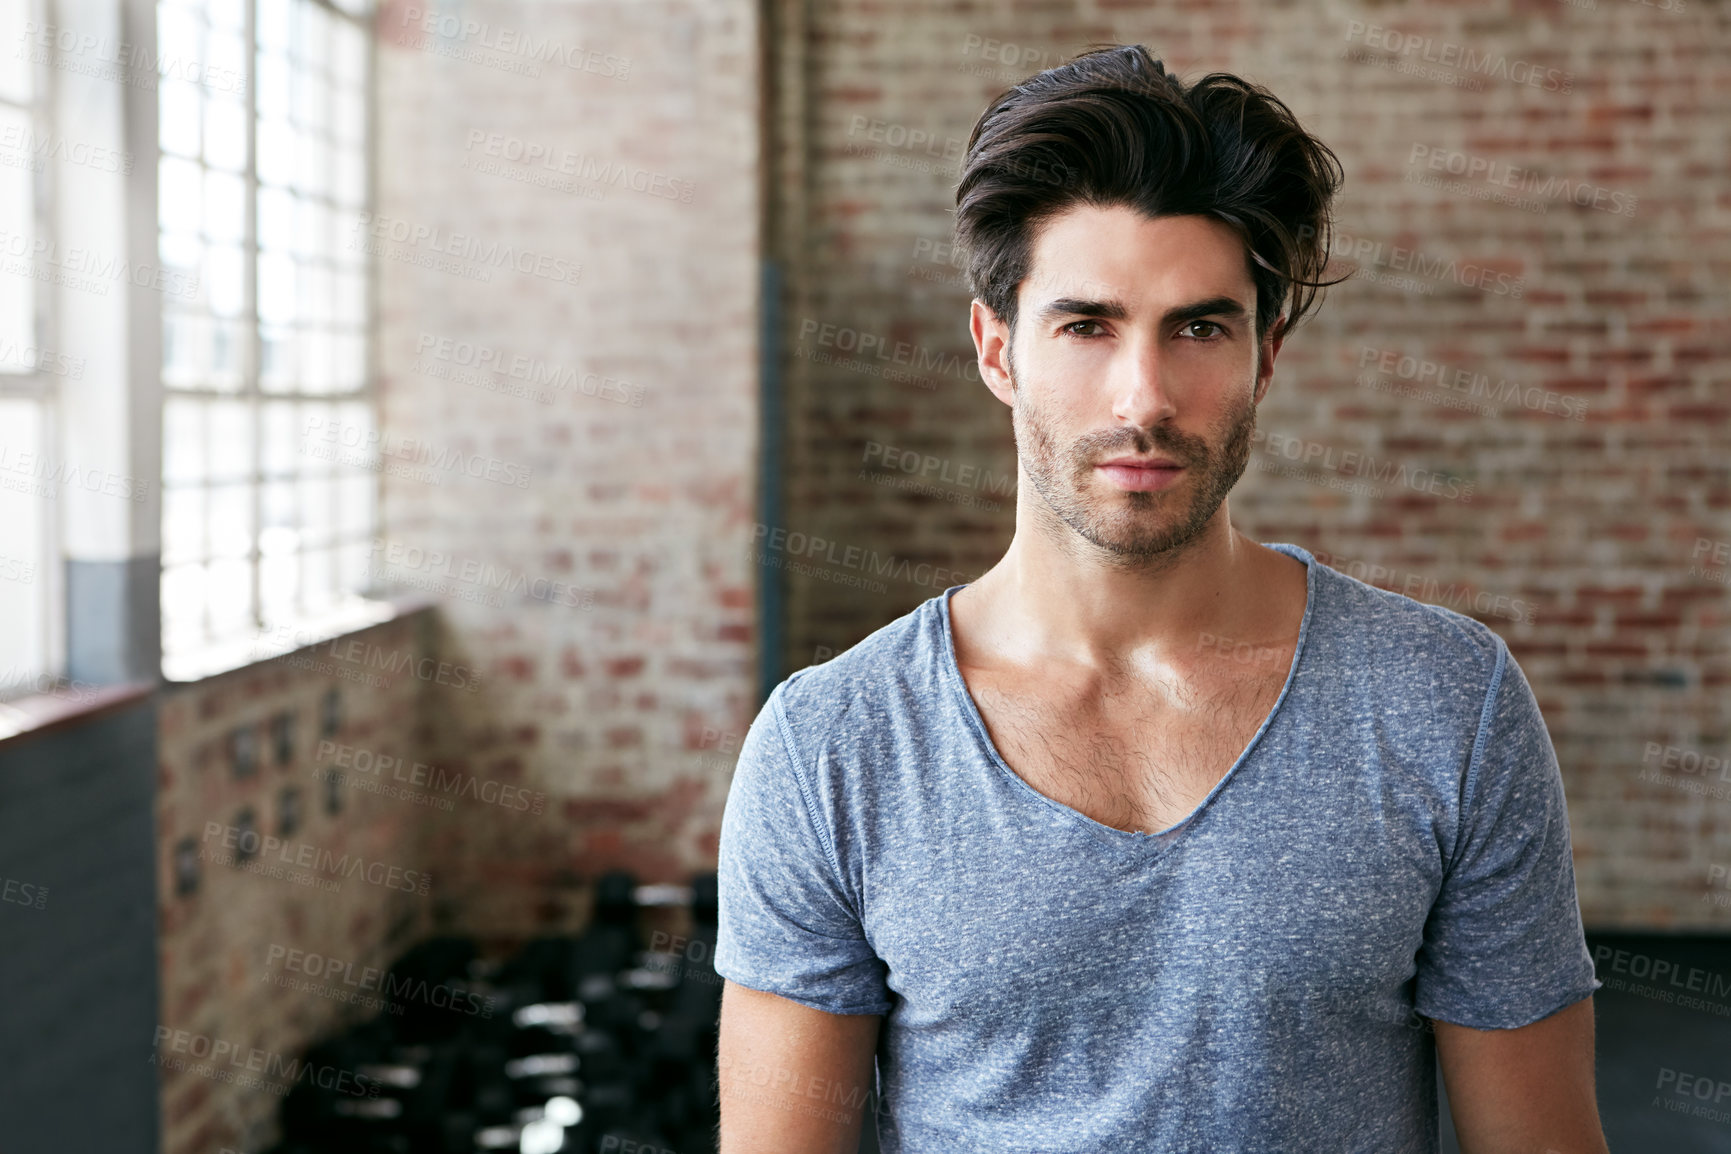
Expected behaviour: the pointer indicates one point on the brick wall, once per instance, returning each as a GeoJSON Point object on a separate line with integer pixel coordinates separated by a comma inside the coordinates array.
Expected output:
{"type": "Point", "coordinates": [1595, 546]}
{"type": "Point", "coordinates": [567, 316]}
{"type": "Point", "coordinates": [567, 258]}
{"type": "Point", "coordinates": [566, 247]}
{"type": "Point", "coordinates": [340, 869]}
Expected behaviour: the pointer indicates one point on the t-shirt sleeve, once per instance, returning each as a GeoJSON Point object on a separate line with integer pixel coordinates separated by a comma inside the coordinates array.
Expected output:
{"type": "Point", "coordinates": [787, 925]}
{"type": "Point", "coordinates": [1503, 946]}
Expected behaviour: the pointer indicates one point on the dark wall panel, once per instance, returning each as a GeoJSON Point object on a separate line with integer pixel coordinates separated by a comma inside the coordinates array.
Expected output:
{"type": "Point", "coordinates": [78, 976]}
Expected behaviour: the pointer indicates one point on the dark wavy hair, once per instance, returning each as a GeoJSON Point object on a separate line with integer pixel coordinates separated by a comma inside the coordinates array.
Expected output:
{"type": "Point", "coordinates": [1112, 127]}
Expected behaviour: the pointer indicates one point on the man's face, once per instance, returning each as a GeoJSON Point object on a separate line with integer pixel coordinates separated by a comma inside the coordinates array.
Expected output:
{"type": "Point", "coordinates": [1135, 343]}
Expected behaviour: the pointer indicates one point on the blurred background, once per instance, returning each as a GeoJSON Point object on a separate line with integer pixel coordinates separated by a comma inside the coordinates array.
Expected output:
{"type": "Point", "coordinates": [428, 431]}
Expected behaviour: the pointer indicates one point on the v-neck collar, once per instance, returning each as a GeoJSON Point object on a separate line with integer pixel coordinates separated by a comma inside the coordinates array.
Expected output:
{"type": "Point", "coordinates": [1111, 835]}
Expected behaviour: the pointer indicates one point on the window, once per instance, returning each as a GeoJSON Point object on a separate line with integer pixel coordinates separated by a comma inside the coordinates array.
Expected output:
{"type": "Point", "coordinates": [29, 575]}
{"type": "Point", "coordinates": [270, 451]}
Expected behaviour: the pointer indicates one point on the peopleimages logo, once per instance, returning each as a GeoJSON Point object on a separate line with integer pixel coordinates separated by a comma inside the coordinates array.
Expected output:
{"type": "Point", "coordinates": [877, 345]}
{"type": "Point", "coordinates": [336, 974]}
{"type": "Point", "coordinates": [286, 1071]}
{"type": "Point", "coordinates": [491, 253]}
{"type": "Point", "coordinates": [250, 843]}
{"type": "Point", "coordinates": [1461, 57]}
{"type": "Point", "coordinates": [1502, 174]}
{"type": "Point", "coordinates": [1378, 261]}
{"type": "Point", "coordinates": [530, 48]}
{"type": "Point", "coordinates": [1468, 383]}
{"type": "Point", "coordinates": [1353, 463]}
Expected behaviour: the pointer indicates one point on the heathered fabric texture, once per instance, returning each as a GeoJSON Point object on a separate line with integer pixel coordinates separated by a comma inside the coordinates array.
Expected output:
{"type": "Point", "coordinates": [1393, 840]}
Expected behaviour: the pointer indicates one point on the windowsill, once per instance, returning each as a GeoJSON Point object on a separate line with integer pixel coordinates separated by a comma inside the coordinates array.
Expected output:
{"type": "Point", "coordinates": [42, 713]}
{"type": "Point", "coordinates": [193, 666]}
{"type": "Point", "coordinates": [57, 709]}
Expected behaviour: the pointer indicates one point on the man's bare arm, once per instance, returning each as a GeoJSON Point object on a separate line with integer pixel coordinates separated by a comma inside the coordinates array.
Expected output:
{"type": "Point", "coordinates": [1524, 1091]}
{"type": "Point", "coordinates": [794, 1080]}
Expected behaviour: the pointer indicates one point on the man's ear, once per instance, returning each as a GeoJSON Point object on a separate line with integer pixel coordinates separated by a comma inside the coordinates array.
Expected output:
{"type": "Point", "coordinates": [1265, 354]}
{"type": "Point", "coordinates": [992, 348]}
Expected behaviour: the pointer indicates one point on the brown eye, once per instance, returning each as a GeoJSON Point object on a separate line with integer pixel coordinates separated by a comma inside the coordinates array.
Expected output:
{"type": "Point", "coordinates": [1219, 330]}
{"type": "Point", "coordinates": [1071, 328]}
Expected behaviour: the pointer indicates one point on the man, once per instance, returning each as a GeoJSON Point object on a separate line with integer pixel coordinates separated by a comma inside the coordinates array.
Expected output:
{"type": "Point", "coordinates": [1151, 838]}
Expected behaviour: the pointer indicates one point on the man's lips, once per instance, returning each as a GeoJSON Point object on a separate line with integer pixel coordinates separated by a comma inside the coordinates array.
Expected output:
{"type": "Point", "coordinates": [1141, 475]}
{"type": "Point", "coordinates": [1141, 463]}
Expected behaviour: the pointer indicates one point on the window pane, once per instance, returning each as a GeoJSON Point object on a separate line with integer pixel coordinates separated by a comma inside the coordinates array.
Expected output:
{"type": "Point", "coordinates": [277, 360]}
{"type": "Point", "coordinates": [276, 219]}
{"type": "Point", "coordinates": [225, 134]}
{"type": "Point", "coordinates": [352, 561]}
{"type": "Point", "coordinates": [348, 54]}
{"type": "Point", "coordinates": [16, 78]}
{"type": "Point", "coordinates": [357, 439]}
{"type": "Point", "coordinates": [282, 438]}
{"type": "Point", "coordinates": [279, 524]}
{"type": "Point", "coordinates": [23, 582]}
{"type": "Point", "coordinates": [228, 353]}
{"type": "Point", "coordinates": [224, 51]}
{"type": "Point", "coordinates": [348, 176]}
{"type": "Point", "coordinates": [231, 451]}
{"type": "Point", "coordinates": [312, 102]}
{"type": "Point", "coordinates": [348, 370]}
{"type": "Point", "coordinates": [186, 341]}
{"type": "Point", "coordinates": [179, 117]}
{"type": "Point", "coordinates": [223, 280]}
{"type": "Point", "coordinates": [315, 418]}
{"type": "Point", "coordinates": [349, 299]}
{"type": "Point", "coordinates": [180, 37]}
{"type": "Point", "coordinates": [182, 606]}
{"type": "Point", "coordinates": [229, 597]}
{"type": "Point", "coordinates": [182, 525]}
{"type": "Point", "coordinates": [183, 254]}
{"type": "Point", "coordinates": [355, 509]}
{"type": "Point", "coordinates": [228, 15]}
{"type": "Point", "coordinates": [312, 227]}
{"type": "Point", "coordinates": [224, 207]}
{"type": "Point", "coordinates": [183, 442]}
{"type": "Point", "coordinates": [318, 572]}
{"type": "Point", "coordinates": [315, 291]}
{"type": "Point", "coordinates": [275, 26]}
{"type": "Point", "coordinates": [255, 501]}
{"type": "Point", "coordinates": [275, 86]}
{"type": "Point", "coordinates": [276, 287]}
{"type": "Point", "coordinates": [312, 160]}
{"type": "Point", "coordinates": [279, 585]}
{"type": "Point", "coordinates": [180, 196]}
{"type": "Point", "coordinates": [231, 521]}
{"type": "Point", "coordinates": [276, 152]}
{"type": "Point", "coordinates": [316, 360]}
{"type": "Point", "coordinates": [318, 510]}
{"type": "Point", "coordinates": [17, 219]}
{"type": "Point", "coordinates": [348, 115]}
{"type": "Point", "coordinates": [312, 35]}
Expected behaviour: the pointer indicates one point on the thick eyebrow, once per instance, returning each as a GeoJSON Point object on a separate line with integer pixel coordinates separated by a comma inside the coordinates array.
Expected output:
{"type": "Point", "coordinates": [1224, 307]}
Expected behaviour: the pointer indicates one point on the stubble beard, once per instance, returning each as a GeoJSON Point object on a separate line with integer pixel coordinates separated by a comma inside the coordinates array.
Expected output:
{"type": "Point", "coordinates": [1129, 529]}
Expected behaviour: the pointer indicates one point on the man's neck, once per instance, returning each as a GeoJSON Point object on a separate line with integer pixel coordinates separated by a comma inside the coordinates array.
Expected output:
{"type": "Point", "coordinates": [1052, 599]}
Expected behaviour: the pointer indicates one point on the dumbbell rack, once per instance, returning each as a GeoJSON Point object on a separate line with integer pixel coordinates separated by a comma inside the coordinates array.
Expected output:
{"type": "Point", "coordinates": [577, 1044]}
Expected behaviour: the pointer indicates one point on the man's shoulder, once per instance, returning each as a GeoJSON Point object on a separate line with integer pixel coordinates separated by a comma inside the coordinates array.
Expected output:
{"type": "Point", "coordinates": [892, 666]}
{"type": "Point", "coordinates": [1393, 631]}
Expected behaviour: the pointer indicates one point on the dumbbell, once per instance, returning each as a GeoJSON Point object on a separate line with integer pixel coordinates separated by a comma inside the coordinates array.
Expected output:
{"type": "Point", "coordinates": [607, 945]}
{"type": "Point", "coordinates": [545, 966]}
{"type": "Point", "coordinates": [556, 1126]}
{"type": "Point", "coordinates": [428, 988]}
{"type": "Point", "coordinates": [311, 1111]}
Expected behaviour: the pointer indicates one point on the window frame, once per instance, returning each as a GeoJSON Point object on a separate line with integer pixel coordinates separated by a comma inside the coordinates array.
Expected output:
{"type": "Point", "coordinates": [350, 605]}
{"type": "Point", "coordinates": [36, 386]}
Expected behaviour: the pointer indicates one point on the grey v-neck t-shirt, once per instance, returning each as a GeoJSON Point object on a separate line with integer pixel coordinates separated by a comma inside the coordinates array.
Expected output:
{"type": "Point", "coordinates": [1392, 843]}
